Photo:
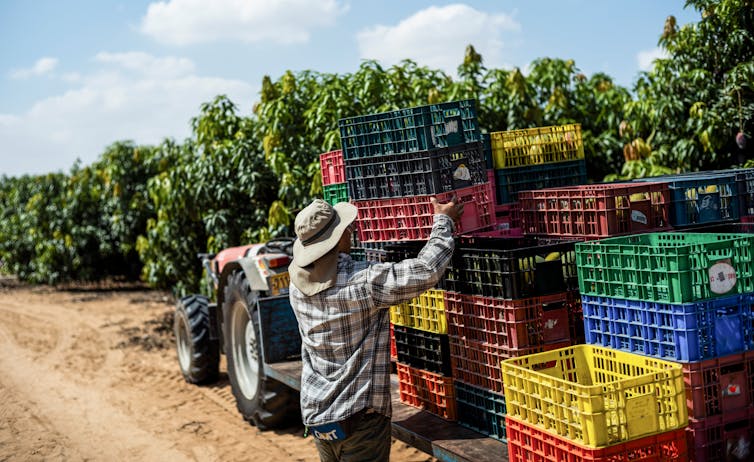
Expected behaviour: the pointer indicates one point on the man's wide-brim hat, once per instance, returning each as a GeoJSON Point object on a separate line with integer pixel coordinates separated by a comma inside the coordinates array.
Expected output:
{"type": "Point", "coordinates": [319, 227]}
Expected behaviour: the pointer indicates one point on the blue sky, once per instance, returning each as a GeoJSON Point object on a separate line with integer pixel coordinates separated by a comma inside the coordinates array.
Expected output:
{"type": "Point", "coordinates": [76, 76]}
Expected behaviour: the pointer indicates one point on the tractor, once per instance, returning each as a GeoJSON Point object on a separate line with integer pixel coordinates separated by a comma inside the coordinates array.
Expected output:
{"type": "Point", "coordinates": [251, 323]}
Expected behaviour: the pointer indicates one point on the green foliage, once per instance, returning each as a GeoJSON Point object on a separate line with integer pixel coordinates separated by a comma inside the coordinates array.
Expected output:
{"type": "Point", "coordinates": [148, 210]}
{"type": "Point", "coordinates": [690, 107]}
{"type": "Point", "coordinates": [31, 225]}
{"type": "Point", "coordinates": [215, 194]}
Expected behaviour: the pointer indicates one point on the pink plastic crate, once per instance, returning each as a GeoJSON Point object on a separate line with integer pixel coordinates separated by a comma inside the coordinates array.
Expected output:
{"type": "Point", "coordinates": [333, 168]}
{"type": "Point", "coordinates": [411, 218]}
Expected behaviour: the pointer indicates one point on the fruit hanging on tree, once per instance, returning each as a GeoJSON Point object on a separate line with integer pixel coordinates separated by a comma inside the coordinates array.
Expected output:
{"type": "Point", "coordinates": [741, 140]}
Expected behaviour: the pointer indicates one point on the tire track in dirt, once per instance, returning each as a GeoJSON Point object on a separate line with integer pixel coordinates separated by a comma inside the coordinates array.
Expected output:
{"type": "Point", "coordinates": [29, 332]}
{"type": "Point", "coordinates": [235, 439]}
{"type": "Point", "coordinates": [99, 381]}
{"type": "Point", "coordinates": [61, 339]}
{"type": "Point", "coordinates": [70, 416]}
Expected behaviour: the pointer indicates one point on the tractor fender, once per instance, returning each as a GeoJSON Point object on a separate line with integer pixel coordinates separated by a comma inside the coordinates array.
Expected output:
{"type": "Point", "coordinates": [249, 267]}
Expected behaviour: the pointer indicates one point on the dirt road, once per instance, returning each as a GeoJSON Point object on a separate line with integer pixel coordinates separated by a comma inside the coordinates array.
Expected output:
{"type": "Point", "coordinates": [90, 374]}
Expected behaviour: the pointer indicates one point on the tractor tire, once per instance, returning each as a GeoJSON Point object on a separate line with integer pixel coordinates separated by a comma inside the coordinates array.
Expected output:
{"type": "Point", "coordinates": [261, 400]}
{"type": "Point", "coordinates": [198, 354]}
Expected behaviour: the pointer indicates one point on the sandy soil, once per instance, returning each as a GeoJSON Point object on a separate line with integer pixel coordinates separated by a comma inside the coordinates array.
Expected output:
{"type": "Point", "coordinates": [90, 374]}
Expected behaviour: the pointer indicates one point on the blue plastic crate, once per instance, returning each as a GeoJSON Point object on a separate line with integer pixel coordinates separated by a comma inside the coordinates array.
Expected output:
{"type": "Point", "coordinates": [681, 332]}
{"type": "Point", "coordinates": [745, 186]}
{"type": "Point", "coordinates": [702, 197]}
{"type": "Point", "coordinates": [408, 130]}
{"type": "Point", "coordinates": [509, 181]}
{"type": "Point", "coordinates": [481, 410]}
{"type": "Point", "coordinates": [279, 325]}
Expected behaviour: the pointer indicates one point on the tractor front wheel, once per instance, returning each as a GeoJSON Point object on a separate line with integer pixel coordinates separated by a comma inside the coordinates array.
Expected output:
{"type": "Point", "coordinates": [263, 401]}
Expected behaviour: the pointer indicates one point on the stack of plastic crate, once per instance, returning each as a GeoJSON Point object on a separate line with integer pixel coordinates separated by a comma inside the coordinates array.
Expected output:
{"type": "Point", "coordinates": [536, 158]}
{"type": "Point", "coordinates": [395, 161]}
{"type": "Point", "coordinates": [707, 197]}
{"type": "Point", "coordinates": [504, 298]}
{"type": "Point", "coordinates": [334, 186]}
{"type": "Point", "coordinates": [423, 354]}
{"type": "Point", "coordinates": [590, 403]}
{"type": "Point", "coordinates": [688, 298]}
{"type": "Point", "coordinates": [596, 211]}
{"type": "Point", "coordinates": [420, 344]}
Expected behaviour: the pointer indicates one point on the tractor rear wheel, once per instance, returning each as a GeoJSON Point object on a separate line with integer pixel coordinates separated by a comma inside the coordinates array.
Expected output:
{"type": "Point", "coordinates": [263, 401]}
{"type": "Point", "coordinates": [198, 354]}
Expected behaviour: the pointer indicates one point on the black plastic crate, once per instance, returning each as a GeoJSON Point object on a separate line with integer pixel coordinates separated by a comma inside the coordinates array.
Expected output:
{"type": "Point", "coordinates": [511, 268]}
{"type": "Point", "coordinates": [358, 254]}
{"type": "Point", "coordinates": [723, 228]}
{"type": "Point", "coordinates": [423, 350]}
{"type": "Point", "coordinates": [487, 147]}
{"type": "Point", "coordinates": [399, 251]}
{"type": "Point", "coordinates": [416, 174]}
{"type": "Point", "coordinates": [481, 410]}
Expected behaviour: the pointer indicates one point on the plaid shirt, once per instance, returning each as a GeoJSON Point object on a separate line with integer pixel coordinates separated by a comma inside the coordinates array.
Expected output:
{"type": "Point", "coordinates": [345, 329]}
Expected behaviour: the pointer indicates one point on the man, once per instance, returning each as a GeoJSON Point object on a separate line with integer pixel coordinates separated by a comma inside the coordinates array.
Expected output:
{"type": "Point", "coordinates": [342, 310]}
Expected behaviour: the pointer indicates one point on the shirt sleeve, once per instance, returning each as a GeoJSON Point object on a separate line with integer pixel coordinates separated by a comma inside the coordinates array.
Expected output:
{"type": "Point", "coordinates": [392, 283]}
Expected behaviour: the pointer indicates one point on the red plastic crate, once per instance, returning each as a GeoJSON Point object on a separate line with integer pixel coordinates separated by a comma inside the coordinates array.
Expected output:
{"type": "Point", "coordinates": [719, 385]}
{"type": "Point", "coordinates": [497, 232]}
{"type": "Point", "coordinates": [576, 316]}
{"type": "Point", "coordinates": [527, 443]}
{"type": "Point", "coordinates": [393, 346]}
{"type": "Point", "coordinates": [478, 363]}
{"type": "Point", "coordinates": [427, 390]}
{"type": "Point", "coordinates": [508, 214]}
{"type": "Point", "coordinates": [722, 438]}
{"type": "Point", "coordinates": [596, 211]}
{"type": "Point", "coordinates": [333, 168]}
{"type": "Point", "coordinates": [411, 218]}
{"type": "Point", "coordinates": [513, 324]}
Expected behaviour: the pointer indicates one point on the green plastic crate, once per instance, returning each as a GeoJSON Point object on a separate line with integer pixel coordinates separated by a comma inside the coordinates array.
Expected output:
{"type": "Point", "coordinates": [335, 193]}
{"type": "Point", "coordinates": [666, 267]}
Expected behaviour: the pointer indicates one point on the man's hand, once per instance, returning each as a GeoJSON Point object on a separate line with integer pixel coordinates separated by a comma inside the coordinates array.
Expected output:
{"type": "Point", "coordinates": [451, 209]}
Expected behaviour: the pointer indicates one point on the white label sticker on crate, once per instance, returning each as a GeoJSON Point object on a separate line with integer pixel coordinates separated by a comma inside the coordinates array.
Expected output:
{"type": "Point", "coordinates": [462, 173]}
{"type": "Point", "coordinates": [451, 126]}
{"type": "Point", "coordinates": [732, 389]}
{"type": "Point", "coordinates": [722, 277]}
{"type": "Point", "coordinates": [638, 217]}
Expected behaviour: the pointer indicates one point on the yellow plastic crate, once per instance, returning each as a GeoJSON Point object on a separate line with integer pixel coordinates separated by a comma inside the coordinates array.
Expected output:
{"type": "Point", "coordinates": [532, 146]}
{"type": "Point", "coordinates": [595, 396]}
{"type": "Point", "coordinates": [425, 312]}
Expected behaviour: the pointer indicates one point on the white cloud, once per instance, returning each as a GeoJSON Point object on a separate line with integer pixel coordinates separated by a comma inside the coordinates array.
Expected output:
{"type": "Point", "coordinates": [183, 22]}
{"type": "Point", "coordinates": [646, 58]}
{"type": "Point", "coordinates": [41, 67]}
{"type": "Point", "coordinates": [148, 65]}
{"type": "Point", "coordinates": [132, 96]}
{"type": "Point", "coordinates": [437, 37]}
